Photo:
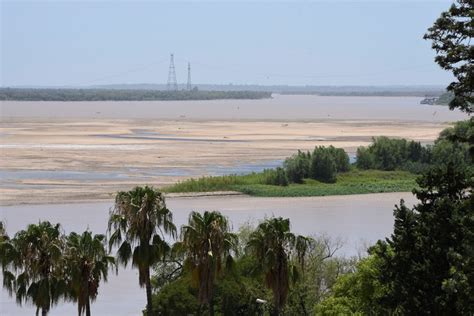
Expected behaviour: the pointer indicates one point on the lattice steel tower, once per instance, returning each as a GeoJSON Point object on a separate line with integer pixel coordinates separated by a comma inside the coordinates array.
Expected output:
{"type": "Point", "coordinates": [172, 83]}
{"type": "Point", "coordinates": [188, 85]}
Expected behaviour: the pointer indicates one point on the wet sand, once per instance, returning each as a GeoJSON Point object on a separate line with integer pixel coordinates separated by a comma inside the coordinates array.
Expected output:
{"type": "Point", "coordinates": [70, 160]}
{"type": "Point", "coordinates": [56, 152]}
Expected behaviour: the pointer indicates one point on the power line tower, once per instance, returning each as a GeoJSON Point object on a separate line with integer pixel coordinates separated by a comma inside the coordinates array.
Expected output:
{"type": "Point", "coordinates": [188, 86]}
{"type": "Point", "coordinates": [172, 83]}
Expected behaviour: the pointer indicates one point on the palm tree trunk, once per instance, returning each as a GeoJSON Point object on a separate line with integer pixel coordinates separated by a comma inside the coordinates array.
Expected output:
{"type": "Point", "coordinates": [149, 306]}
{"type": "Point", "coordinates": [88, 307]}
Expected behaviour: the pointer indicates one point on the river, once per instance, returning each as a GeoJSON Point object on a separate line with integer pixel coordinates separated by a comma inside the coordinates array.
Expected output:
{"type": "Point", "coordinates": [356, 220]}
{"type": "Point", "coordinates": [279, 107]}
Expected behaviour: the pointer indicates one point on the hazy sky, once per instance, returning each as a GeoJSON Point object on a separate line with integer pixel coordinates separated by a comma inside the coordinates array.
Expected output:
{"type": "Point", "coordinates": [316, 43]}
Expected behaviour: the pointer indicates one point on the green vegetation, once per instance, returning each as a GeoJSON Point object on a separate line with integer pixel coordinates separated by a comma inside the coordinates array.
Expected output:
{"type": "Point", "coordinates": [392, 154]}
{"type": "Point", "coordinates": [207, 244]}
{"type": "Point", "coordinates": [87, 262]}
{"type": "Point", "coordinates": [137, 226]}
{"type": "Point", "coordinates": [279, 254]}
{"type": "Point", "coordinates": [17, 94]}
{"type": "Point", "coordinates": [387, 165]}
{"type": "Point", "coordinates": [351, 182]}
{"type": "Point", "coordinates": [445, 98]}
{"type": "Point", "coordinates": [451, 36]}
{"type": "Point", "coordinates": [425, 267]}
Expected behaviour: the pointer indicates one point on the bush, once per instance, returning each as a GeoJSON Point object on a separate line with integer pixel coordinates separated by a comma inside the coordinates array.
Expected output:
{"type": "Point", "coordinates": [365, 159]}
{"type": "Point", "coordinates": [323, 165]}
{"type": "Point", "coordinates": [341, 158]}
{"type": "Point", "coordinates": [275, 176]}
{"type": "Point", "coordinates": [390, 154]}
{"type": "Point", "coordinates": [297, 167]}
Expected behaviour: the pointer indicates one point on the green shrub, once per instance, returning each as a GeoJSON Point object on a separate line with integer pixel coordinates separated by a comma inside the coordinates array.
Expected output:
{"type": "Point", "coordinates": [275, 176]}
{"type": "Point", "coordinates": [297, 167]}
{"type": "Point", "coordinates": [323, 165]}
{"type": "Point", "coordinates": [340, 157]}
{"type": "Point", "coordinates": [365, 159]}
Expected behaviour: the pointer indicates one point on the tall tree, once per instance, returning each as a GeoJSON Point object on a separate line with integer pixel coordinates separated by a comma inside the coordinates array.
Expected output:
{"type": "Point", "coordinates": [87, 263]}
{"type": "Point", "coordinates": [33, 266]}
{"type": "Point", "coordinates": [137, 225]}
{"type": "Point", "coordinates": [207, 243]}
{"type": "Point", "coordinates": [273, 244]}
{"type": "Point", "coordinates": [428, 263]}
{"type": "Point", "coordinates": [451, 35]}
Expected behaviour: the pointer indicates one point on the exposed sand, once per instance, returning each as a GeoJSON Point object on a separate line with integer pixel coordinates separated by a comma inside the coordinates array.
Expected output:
{"type": "Point", "coordinates": [106, 155]}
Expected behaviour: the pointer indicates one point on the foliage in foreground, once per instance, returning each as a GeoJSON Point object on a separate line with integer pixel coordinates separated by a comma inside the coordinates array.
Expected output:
{"type": "Point", "coordinates": [207, 245]}
{"type": "Point", "coordinates": [451, 36]}
{"type": "Point", "coordinates": [137, 225]}
{"type": "Point", "coordinates": [42, 266]}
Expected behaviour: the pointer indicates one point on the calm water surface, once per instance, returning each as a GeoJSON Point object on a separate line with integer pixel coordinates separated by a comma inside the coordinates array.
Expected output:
{"type": "Point", "coordinates": [357, 220]}
{"type": "Point", "coordinates": [280, 107]}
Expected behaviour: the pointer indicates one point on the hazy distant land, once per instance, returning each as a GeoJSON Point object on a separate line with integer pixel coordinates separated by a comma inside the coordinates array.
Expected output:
{"type": "Point", "coordinates": [62, 94]}
{"type": "Point", "coordinates": [154, 92]}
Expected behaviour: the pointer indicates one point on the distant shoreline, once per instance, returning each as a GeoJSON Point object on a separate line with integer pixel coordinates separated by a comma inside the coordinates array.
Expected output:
{"type": "Point", "coordinates": [27, 94]}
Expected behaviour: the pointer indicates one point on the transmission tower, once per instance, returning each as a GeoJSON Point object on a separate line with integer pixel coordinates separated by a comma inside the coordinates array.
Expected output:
{"type": "Point", "coordinates": [172, 83]}
{"type": "Point", "coordinates": [188, 86]}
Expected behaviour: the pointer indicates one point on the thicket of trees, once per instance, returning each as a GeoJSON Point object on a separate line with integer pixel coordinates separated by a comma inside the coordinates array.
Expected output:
{"type": "Point", "coordinates": [24, 94]}
{"type": "Point", "coordinates": [391, 154]}
{"type": "Point", "coordinates": [322, 164]}
{"type": "Point", "coordinates": [427, 265]}
{"type": "Point", "coordinates": [42, 266]}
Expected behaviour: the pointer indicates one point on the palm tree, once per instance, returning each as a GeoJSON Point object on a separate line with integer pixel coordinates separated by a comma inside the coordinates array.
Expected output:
{"type": "Point", "coordinates": [3, 232]}
{"type": "Point", "coordinates": [32, 265]}
{"type": "Point", "coordinates": [4, 245]}
{"type": "Point", "coordinates": [87, 263]}
{"type": "Point", "coordinates": [273, 245]}
{"type": "Point", "coordinates": [137, 225]}
{"type": "Point", "coordinates": [207, 243]}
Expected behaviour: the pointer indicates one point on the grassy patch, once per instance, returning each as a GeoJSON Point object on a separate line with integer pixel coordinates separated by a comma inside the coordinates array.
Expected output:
{"type": "Point", "coordinates": [352, 182]}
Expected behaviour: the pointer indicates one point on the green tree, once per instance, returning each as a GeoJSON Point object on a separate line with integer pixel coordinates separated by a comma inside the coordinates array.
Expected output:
{"type": "Point", "coordinates": [451, 35]}
{"type": "Point", "coordinates": [275, 176]}
{"type": "Point", "coordinates": [177, 298]}
{"type": "Point", "coordinates": [273, 245]}
{"type": "Point", "coordinates": [33, 266]}
{"type": "Point", "coordinates": [356, 293]}
{"type": "Point", "coordinates": [207, 243]}
{"type": "Point", "coordinates": [365, 159]}
{"type": "Point", "coordinates": [137, 225]}
{"type": "Point", "coordinates": [323, 165]}
{"type": "Point", "coordinates": [87, 263]}
{"type": "Point", "coordinates": [428, 263]}
{"type": "Point", "coordinates": [297, 166]}
{"type": "Point", "coordinates": [340, 158]}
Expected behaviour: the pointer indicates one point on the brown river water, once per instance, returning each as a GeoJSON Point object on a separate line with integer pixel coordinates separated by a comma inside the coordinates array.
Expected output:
{"type": "Point", "coordinates": [279, 107]}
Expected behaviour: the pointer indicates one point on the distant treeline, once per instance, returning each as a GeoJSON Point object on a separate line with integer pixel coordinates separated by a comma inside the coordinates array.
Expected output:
{"type": "Point", "coordinates": [27, 94]}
